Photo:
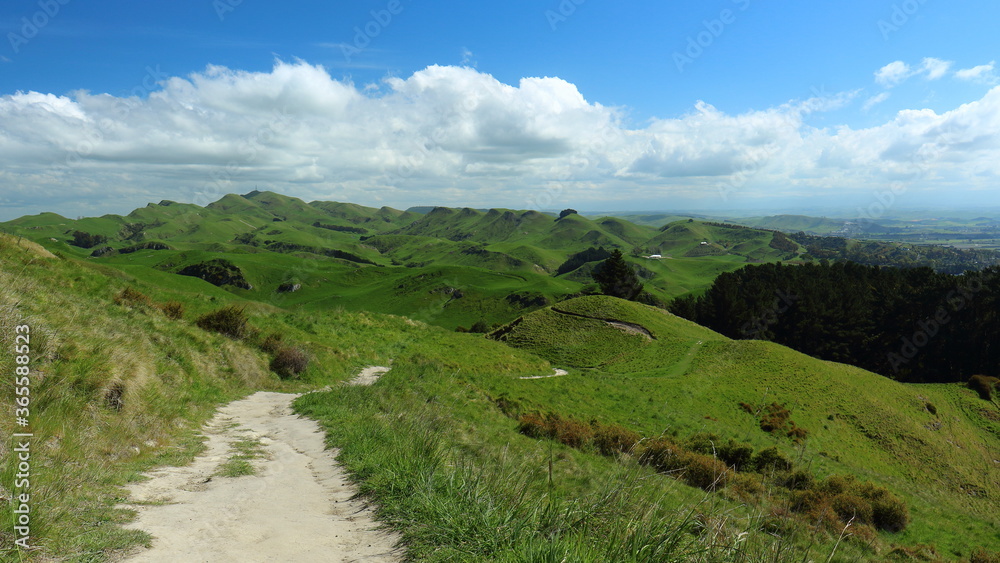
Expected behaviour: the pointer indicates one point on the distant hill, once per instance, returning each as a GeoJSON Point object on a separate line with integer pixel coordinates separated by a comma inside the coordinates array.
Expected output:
{"type": "Point", "coordinates": [449, 266]}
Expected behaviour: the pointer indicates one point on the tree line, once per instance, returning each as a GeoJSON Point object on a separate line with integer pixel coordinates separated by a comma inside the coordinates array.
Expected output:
{"type": "Point", "coordinates": [913, 325]}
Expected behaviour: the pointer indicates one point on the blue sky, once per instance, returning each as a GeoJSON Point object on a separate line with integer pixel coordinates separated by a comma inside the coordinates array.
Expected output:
{"type": "Point", "coordinates": [721, 105]}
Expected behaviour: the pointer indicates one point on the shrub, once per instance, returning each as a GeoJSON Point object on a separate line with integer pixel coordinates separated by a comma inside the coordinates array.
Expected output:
{"type": "Point", "coordinates": [774, 418]}
{"type": "Point", "coordinates": [532, 425]}
{"type": "Point", "coordinates": [132, 298]}
{"type": "Point", "coordinates": [289, 362]}
{"type": "Point", "coordinates": [272, 342]}
{"type": "Point", "coordinates": [172, 309]}
{"type": "Point", "coordinates": [662, 455]}
{"type": "Point", "coordinates": [703, 443]}
{"type": "Point", "coordinates": [797, 434]}
{"type": "Point", "coordinates": [852, 507]}
{"type": "Point", "coordinates": [480, 327]}
{"type": "Point", "coordinates": [612, 439]}
{"type": "Point", "coordinates": [230, 321]}
{"type": "Point", "coordinates": [570, 432]}
{"type": "Point", "coordinates": [799, 480]}
{"type": "Point", "coordinates": [770, 459]}
{"type": "Point", "coordinates": [983, 385]}
{"type": "Point", "coordinates": [704, 472]}
{"type": "Point", "coordinates": [745, 488]}
{"type": "Point", "coordinates": [737, 455]}
{"type": "Point", "coordinates": [890, 513]}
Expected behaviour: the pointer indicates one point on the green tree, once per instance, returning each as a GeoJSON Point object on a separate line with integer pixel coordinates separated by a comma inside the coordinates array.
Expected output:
{"type": "Point", "coordinates": [566, 212]}
{"type": "Point", "coordinates": [617, 278]}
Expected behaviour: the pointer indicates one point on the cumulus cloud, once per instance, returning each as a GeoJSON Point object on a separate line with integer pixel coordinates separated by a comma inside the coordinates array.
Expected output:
{"type": "Point", "coordinates": [981, 73]}
{"type": "Point", "coordinates": [897, 72]}
{"type": "Point", "coordinates": [893, 73]}
{"type": "Point", "coordinates": [452, 135]}
{"type": "Point", "coordinates": [935, 69]}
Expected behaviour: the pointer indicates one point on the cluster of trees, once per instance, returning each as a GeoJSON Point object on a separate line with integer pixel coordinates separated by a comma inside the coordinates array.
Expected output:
{"type": "Point", "coordinates": [87, 240]}
{"type": "Point", "coordinates": [875, 253]}
{"type": "Point", "coordinates": [914, 325]}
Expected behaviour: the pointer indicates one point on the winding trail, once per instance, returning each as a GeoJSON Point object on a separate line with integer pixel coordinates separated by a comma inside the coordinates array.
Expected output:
{"type": "Point", "coordinates": [558, 372]}
{"type": "Point", "coordinates": [297, 507]}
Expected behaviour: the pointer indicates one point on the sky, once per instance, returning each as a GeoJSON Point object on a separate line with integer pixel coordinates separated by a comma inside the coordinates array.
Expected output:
{"type": "Point", "coordinates": [864, 107]}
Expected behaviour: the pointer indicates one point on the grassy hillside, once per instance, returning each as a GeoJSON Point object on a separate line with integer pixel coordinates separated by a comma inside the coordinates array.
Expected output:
{"type": "Point", "coordinates": [118, 386]}
{"type": "Point", "coordinates": [935, 445]}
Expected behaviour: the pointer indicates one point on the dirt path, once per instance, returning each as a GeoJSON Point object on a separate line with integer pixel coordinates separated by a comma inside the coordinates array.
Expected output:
{"type": "Point", "coordinates": [368, 376]}
{"type": "Point", "coordinates": [296, 507]}
{"type": "Point", "coordinates": [557, 373]}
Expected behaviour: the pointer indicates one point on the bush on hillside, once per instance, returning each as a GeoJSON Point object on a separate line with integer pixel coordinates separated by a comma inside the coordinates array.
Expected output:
{"type": "Point", "coordinates": [852, 500]}
{"type": "Point", "coordinates": [770, 460]}
{"type": "Point", "coordinates": [480, 327]}
{"type": "Point", "coordinates": [289, 362]}
{"type": "Point", "coordinates": [272, 342]}
{"type": "Point", "coordinates": [174, 310]}
{"type": "Point", "coordinates": [132, 298]}
{"type": "Point", "coordinates": [612, 439]}
{"type": "Point", "coordinates": [532, 425]}
{"type": "Point", "coordinates": [704, 472]}
{"type": "Point", "coordinates": [662, 455]}
{"type": "Point", "coordinates": [737, 455]}
{"type": "Point", "coordinates": [983, 385]}
{"type": "Point", "coordinates": [230, 321]}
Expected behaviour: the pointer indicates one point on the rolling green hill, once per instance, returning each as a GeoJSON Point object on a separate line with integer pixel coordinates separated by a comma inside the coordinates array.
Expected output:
{"type": "Point", "coordinates": [487, 266]}
{"type": "Point", "coordinates": [935, 445]}
{"type": "Point", "coordinates": [122, 375]}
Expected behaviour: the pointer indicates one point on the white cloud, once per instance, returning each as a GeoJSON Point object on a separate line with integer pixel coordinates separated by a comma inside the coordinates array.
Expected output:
{"type": "Point", "coordinates": [467, 58]}
{"type": "Point", "coordinates": [981, 73]}
{"type": "Point", "coordinates": [875, 100]}
{"type": "Point", "coordinates": [454, 135]}
{"type": "Point", "coordinates": [935, 68]}
{"type": "Point", "coordinates": [892, 73]}
{"type": "Point", "coordinates": [897, 72]}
